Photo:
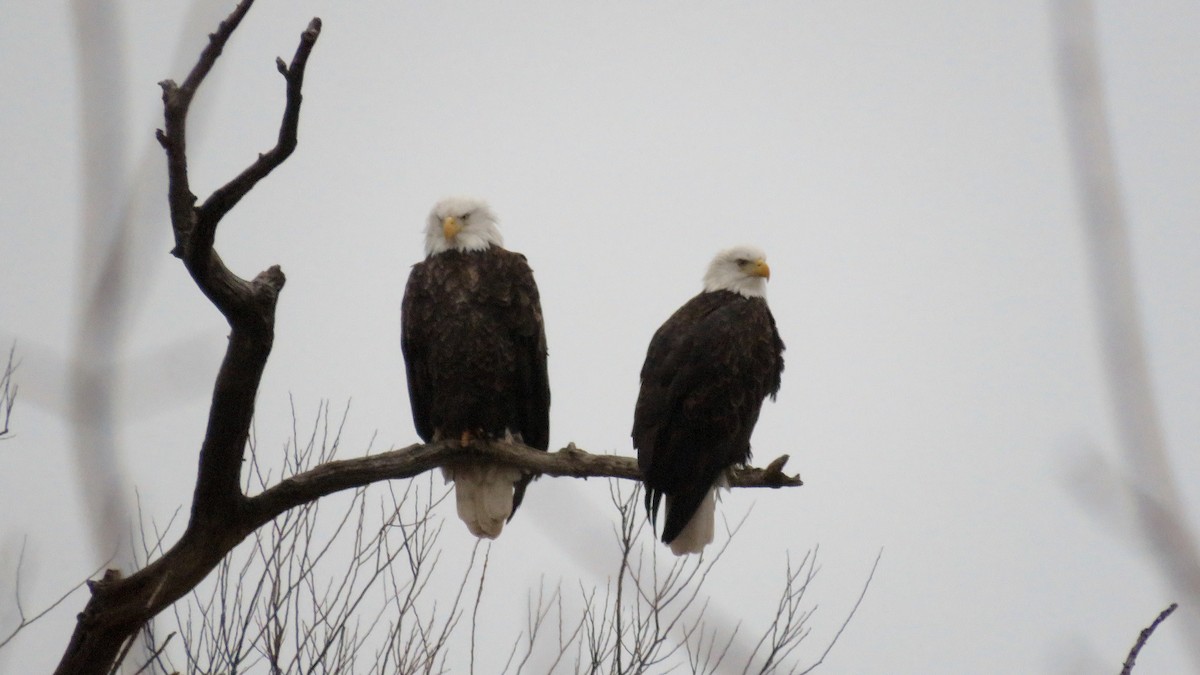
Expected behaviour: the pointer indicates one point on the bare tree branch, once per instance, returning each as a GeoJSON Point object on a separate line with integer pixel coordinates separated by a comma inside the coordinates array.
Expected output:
{"type": "Point", "coordinates": [1144, 636]}
{"type": "Point", "coordinates": [416, 459]}
{"type": "Point", "coordinates": [177, 101]}
{"type": "Point", "coordinates": [226, 197]}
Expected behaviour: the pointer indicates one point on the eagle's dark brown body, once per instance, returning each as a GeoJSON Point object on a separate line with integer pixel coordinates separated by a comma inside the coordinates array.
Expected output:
{"type": "Point", "coordinates": [475, 348]}
{"type": "Point", "coordinates": [707, 371]}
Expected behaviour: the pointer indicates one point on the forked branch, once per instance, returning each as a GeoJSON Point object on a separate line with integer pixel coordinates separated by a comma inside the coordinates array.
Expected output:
{"type": "Point", "coordinates": [249, 306]}
{"type": "Point", "coordinates": [227, 196]}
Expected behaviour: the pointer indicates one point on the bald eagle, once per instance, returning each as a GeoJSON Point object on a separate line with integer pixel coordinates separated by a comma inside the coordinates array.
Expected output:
{"type": "Point", "coordinates": [475, 353]}
{"type": "Point", "coordinates": [707, 371]}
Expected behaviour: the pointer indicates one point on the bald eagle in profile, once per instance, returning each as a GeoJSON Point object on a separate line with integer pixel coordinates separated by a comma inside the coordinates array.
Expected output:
{"type": "Point", "coordinates": [475, 354]}
{"type": "Point", "coordinates": [707, 372]}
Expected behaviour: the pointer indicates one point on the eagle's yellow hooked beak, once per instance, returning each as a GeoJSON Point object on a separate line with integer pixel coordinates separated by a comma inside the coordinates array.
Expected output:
{"type": "Point", "coordinates": [451, 227]}
{"type": "Point", "coordinates": [759, 268]}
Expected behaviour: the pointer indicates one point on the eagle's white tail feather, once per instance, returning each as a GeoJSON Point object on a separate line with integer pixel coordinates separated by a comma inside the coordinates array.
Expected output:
{"type": "Point", "coordinates": [484, 494]}
{"type": "Point", "coordinates": [698, 533]}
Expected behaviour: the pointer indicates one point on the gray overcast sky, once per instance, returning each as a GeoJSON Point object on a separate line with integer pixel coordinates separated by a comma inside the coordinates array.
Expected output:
{"type": "Point", "coordinates": [904, 165]}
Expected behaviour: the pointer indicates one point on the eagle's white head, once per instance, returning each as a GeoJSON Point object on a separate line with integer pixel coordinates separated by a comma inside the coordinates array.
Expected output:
{"type": "Point", "coordinates": [461, 224]}
{"type": "Point", "coordinates": [741, 269]}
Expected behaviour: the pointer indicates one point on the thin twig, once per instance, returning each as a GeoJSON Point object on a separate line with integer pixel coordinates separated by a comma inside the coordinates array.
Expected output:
{"type": "Point", "coordinates": [8, 392]}
{"type": "Point", "coordinates": [487, 554]}
{"type": "Point", "coordinates": [25, 622]}
{"type": "Point", "coordinates": [849, 616]}
{"type": "Point", "coordinates": [116, 666]}
{"type": "Point", "coordinates": [1144, 636]}
{"type": "Point", "coordinates": [155, 654]}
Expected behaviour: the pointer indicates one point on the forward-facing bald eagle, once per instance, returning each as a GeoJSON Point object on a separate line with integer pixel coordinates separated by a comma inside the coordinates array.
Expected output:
{"type": "Point", "coordinates": [707, 371]}
{"type": "Point", "coordinates": [475, 353]}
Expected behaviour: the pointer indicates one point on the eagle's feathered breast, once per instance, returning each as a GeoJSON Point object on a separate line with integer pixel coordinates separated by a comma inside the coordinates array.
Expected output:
{"type": "Point", "coordinates": [475, 347]}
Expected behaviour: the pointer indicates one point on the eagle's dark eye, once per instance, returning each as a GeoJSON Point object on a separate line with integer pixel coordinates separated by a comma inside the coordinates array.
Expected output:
{"type": "Point", "coordinates": [465, 216]}
{"type": "Point", "coordinates": [741, 261]}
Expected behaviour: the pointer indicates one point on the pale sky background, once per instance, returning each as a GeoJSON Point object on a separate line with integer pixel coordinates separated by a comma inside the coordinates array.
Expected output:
{"type": "Point", "coordinates": [904, 165]}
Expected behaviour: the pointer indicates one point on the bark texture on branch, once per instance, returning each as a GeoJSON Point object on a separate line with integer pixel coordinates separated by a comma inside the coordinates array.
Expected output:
{"type": "Point", "coordinates": [416, 459]}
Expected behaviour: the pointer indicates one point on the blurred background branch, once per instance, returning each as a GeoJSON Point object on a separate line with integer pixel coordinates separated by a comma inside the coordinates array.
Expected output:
{"type": "Point", "coordinates": [122, 238]}
{"type": "Point", "coordinates": [8, 392]}
{"type": "Point", "coordinates": [104, 269]}
{"type": "Point", "coordinates": [1160, 510]}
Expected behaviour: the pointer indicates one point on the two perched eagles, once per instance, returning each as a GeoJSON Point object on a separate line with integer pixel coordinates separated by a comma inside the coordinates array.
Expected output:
{"type": "Point", "coordinates": [475, 352]}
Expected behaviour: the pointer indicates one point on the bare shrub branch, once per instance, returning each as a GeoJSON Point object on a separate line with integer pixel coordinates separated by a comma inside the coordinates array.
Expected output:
{"type": "Point", "coordinates": [298, 597]}
{"type": "Point", "coordinates": [652, 618]}
{"type": "Point", "coordinates": [842, 628]}
{"type": "Point", "coordinates": [295, 597]}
